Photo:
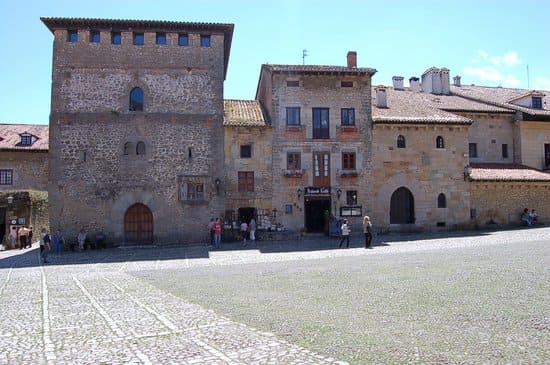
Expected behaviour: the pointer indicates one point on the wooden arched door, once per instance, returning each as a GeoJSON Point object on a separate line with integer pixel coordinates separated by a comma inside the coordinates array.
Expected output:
{"type": "Point", "coordinates": [138, 224]}
{"type": "Point", "coordinates": [402, 206]}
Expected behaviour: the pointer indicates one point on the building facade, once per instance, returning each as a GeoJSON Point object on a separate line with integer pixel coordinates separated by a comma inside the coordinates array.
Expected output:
{"type": "Point", "coordinates": [136, 127]}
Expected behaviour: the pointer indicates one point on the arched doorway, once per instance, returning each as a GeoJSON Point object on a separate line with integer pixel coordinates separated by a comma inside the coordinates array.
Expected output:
{"type": "Point", "coordinates": [402, 207]}
{"type": "Point", "coordinates": [138, 224]}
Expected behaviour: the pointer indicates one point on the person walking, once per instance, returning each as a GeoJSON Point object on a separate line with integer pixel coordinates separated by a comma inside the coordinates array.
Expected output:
{"type": "Point", "coordinates": [45, 245]}
{"type": "Point", "coordinates": [345, 233]}
{"type": "Point", "coordinates": [58, 242]}
{"type": "Point", "coordinates": [211, 230]}
{"type": "Point", "coordinates": [81, 238]}
{"type": "Point", "coordinates": [367, 229]}
{"type": "Point", "coordinates": [252, 228]}
{"type": "Point", "coordinates": [244, 231]}
{"type": "Point", "coordinates": [217, 229]}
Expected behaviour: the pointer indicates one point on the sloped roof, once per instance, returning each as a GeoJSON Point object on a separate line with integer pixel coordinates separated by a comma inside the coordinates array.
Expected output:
{"type": "Point", "coordinates": [506, 172]}
{"type": "Point", "coordinates": [320, 70]}
{"type": "Point", "coordinates": [247, 113]}
{"type": "Point", "coordinates": [502, 97]}
{"type": "Point", "coordinates": [10, 137]}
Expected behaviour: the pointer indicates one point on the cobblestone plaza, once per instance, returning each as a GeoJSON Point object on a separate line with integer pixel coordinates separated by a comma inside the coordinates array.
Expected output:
{"type": "Point", "coordinates": [306, 302]}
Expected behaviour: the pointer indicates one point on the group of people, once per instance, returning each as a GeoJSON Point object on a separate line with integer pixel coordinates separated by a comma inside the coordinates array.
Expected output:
{"type": "Point", "coordinates": [247, 230]}
{"type": "Point", "coordinates": [57, 242]}
{"type": "Point", "coordinates": [20, 237]}
{"type": "Point", "coordinates": [367, 231]}
{"type": "Point", "coordinates": [529, 217]}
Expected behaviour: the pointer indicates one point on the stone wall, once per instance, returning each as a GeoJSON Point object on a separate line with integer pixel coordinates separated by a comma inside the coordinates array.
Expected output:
{"type": "Point", "coordinates": [30, 169]}
{"type": "Point", "coordinates": [490, 132]}
{"type": "Point", "coordinates": [535, 135]}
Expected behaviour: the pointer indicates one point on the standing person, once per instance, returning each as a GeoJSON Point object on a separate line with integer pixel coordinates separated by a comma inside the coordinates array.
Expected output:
{"type": "Point", "coordinates": [30, 237]}
{"type": "Point", "coordinates": [367, 229]}
{"type": "Point", "coordinates": [252, 227]}
{"type": "Point", "coordinates": [211, 230]}
{"type": "Point", "coordinates": [23, 237]}
{"type": "Point", "coordinates": [45, 245]}
{"type": "Point", "coordinates": [345, 233]}
{"type": "Point", "coordinates": [217, 229]}
{"type": "Point", "coordinates": [18, 238]}
{"type": "Point", "coordinates": [81, 238]}
{"type": "Point", "coordinates": [13, 237]}
{"type": "Point", "coordinates": [58, 242]}
{"type": "Point", "coordinates": [244, 231]}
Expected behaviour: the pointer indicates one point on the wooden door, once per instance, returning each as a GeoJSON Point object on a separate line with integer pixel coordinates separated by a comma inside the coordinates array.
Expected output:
{"type": "Point", "coordinates": [402, 207]}
{"type": "Point", "coordinates": [138, 224]}
{"type": "Point", "coordinates": [321, 169]}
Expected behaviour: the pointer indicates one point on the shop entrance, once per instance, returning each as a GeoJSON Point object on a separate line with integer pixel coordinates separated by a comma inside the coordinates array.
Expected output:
{"type": "Point", "coordinates": [316, 218]}
{"type": "Point", "coordinates": [246, 214]}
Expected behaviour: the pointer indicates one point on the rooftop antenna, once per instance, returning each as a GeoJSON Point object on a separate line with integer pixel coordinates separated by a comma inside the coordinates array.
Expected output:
{"type": "Point", "coordinates": [304, 55]}
{"type": "Point", "coordinates": [528, 77]}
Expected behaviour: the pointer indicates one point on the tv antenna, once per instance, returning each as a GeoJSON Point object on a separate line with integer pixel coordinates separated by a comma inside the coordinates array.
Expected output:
{"type": "Point", "coordinates": [304, 55]}
{"type": "Point", "coordinates": [528, 76]}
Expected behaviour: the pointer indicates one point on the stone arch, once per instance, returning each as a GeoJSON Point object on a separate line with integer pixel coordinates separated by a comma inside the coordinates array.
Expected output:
{"type": "Point", "coordinates": [402, 206]}
{"type": "Point", "coordinates": [138, 224]}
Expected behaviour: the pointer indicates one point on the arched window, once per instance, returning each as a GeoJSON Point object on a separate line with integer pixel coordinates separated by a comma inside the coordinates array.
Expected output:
{"type": "Point", "coordinates": [441, 201]}
{"type": "Point", "coordinates": [400, 141]}
{"type": "Point", "coordinates": [128, 148]}
{"type": "Point", "coordinates": [439, 142]}
{"type": "Point", "coordinates": [136, 99]}
{"type": "Point", "coordinates": [140, 148]}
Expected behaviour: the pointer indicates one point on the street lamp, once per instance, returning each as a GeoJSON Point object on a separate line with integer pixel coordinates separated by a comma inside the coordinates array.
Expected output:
{"type": "Point", "coordinates": [467, 172]}
{"type": "Point", "coordinates": [218, 183]}
{"type": "Point", "coordinates": [338, 193]}
{"type": "Point", "coordinates": [299, 192]}
{"type": "Point", "coordinates": [10, 199]}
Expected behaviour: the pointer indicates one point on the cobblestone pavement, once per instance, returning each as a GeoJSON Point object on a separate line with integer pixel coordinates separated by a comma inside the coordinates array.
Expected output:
{"type": "Point", "coordinates": [87, 308]}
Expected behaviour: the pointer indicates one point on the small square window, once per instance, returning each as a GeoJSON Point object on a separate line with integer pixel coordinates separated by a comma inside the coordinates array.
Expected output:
{"type": "Point", "coordinates": [246, 151]}
{"type": "Point", "coordinates": [537, 102]}
{"type": "Point", "coordinates": [116, 38]}
{"type": "Point", "coordinates": [26, 140]}
{"type": "Point", "coordinates": [246, 181]}
{"type": "Point", "coordinates": [292, 83]}
{"type": "Point", "coordinates": [346, 84]}
{"type": "Point", "coordinates": [348, 117]}
{"type": "Point", "coordinates": [472, 149]}
{"type": "Point", "coordinates": [293, 116]}
{"type": "Point", "coordinates": [351, 197]}
{"type": "Point", "coordinates": [293, 161]}
{"type": "Point", "coordinates": [195, 191]}
{"type": "Point", "coordinates": [138, 39]}
{"type": "Point", "coordinates": [183, 40]}
{"type": "Point", "coordinates": [72, 35]}
{"type": "Point", "coordinates": [161, 38]}
{"type": "Point", "coordinates": [95, 36]}
{"type": "Point", "coordinates": [205, 41]}
{"type": "Point", "coordinates": [6, 177]}
{"type": "Point", "coordinates": [348, 161]}
{"type": "Point", "coordinates": [288, 209]}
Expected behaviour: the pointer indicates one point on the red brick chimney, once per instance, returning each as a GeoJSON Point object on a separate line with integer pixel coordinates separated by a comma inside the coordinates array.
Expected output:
{"type": "Point", "coordinates": [352, 59]}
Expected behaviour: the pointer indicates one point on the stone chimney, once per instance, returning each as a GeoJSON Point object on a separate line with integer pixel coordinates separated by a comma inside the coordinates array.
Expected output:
{"type": "Point", "coordinates": [445, 81]}
{"type": "Point", "coordinates": [397, 82]}
{"type": "Point", "coordinates": [456, 81]}
{"type": "Point", "coordinates": [436, 81]}
{"type": "Point", "coordinates": [414, 83]}
{"type": "Point", "coordinates": [352, 59]}
{"type": "Point", "coordinates": [381, 96]}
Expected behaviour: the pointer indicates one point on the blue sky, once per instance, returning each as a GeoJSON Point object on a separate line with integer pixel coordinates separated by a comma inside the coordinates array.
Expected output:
{"type": "Point", "coordinates": [487, 42]}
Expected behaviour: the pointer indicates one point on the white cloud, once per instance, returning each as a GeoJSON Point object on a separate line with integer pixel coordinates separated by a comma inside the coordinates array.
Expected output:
{"type": "Point", "coordinates": [490, 73]}
{"type": "Point", "coordinates": [508, 59]}
{"type": "Point", "coordinates": [542, 83]}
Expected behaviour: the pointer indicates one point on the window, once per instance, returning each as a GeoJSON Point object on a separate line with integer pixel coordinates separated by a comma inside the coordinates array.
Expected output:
{"type": "Point", "coordinates": [95, 36]}
{"type": "Point", "coordinates": [400, 141]}
{"type": "Point", "coordinates": [161, 38]}
{"type": "Point", "coordinates": [351, 197]}
{"type": "Point", "coordinates": [547, 155]}
{"type": "Point", "coordinates": [321, 123]}
{"type": "Point", "coordinates": [441, 201]}
{"type": "Point", "coordinates": [72, 35]}
{"type": "Point", "coordinates": [504, 150]}
{"type": "Point", "coordinates": [205, 40]}
{"type": "Point", "coordinates": [136, 99]}
{"type": "Point", "coordinates": [128, 148]}
{"type": "Point", "coordinates": [348, 160]}
{"type": "Point", "coordinates": [537, 102]}
{"type": "Point", "coordinates": [292, 83]}
{"type": "Point", "coordinates": [246, 181]}
{"type": "Point", "coordinates": [183, 40]}
{"type": "Point", "coordinates": [195, 191]}
{"type": "Point", "coordinates": [26, 139]}
{"type": "Point", "coordinates": [439, 142]}
{"type": "Point", "coordinates": [6, 177]}
{"type": "Point", "coordinates": [138, 39]}
{"type": "Point", "coordinates": [472, 150]}
{"type": "Point", "coordinates": [288, 209]}
{"type": "Point", "coordinates": [116, 38]}
{"type": "Point", "coordinates": [346, 84]}
{"type": "Point", "coordinates": [293, 116]}
{"type": "Point", "coordinates": [348, 117]}
{"type": "Point", "coordinates": [246, 151]}
{"type": "Point", "coordinates": [140, 148]}
{"type": "Point", "coordinates": [293, 161]}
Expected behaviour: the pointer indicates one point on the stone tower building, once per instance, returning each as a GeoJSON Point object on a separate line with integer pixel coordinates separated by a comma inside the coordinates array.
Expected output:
{"type": "Point", "coordinates": [136, 128]}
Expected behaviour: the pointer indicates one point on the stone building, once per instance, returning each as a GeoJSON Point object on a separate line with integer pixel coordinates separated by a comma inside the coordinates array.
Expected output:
{"type": "Point", "coordinates": [23, 176]}
{"type": "Point", "coordinates": [136, 127]}
{"type": "Point", "coordinates": [322, 135]}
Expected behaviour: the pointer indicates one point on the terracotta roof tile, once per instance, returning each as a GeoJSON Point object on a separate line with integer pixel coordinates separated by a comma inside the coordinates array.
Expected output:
{"type": "Point", "coordinates": [506, 172]}
{"type": "Point", "coordinates": [10, 137]}
{"type": "Point", "coordinates": [319, 69]}
{"type": "Point", "coordinates": [244, 113]}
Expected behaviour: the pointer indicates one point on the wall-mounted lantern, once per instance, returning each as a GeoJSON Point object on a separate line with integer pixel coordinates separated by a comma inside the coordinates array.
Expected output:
{"type": "Point", "coordinates": [467, 172]}
{"type": "Point", "coordinates": [10, 199]}
{"type": "Point", "coordinates": [338, 193]}
{"type": "Point", "coordinates": [299, 193]}
{"type": "Point", "coordinates": [218, 182]}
